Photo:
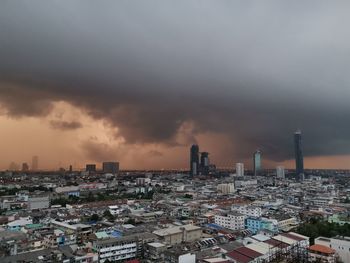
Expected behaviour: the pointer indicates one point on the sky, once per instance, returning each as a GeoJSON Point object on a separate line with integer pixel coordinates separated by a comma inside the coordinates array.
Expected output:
{"type": "Point", "coordinates": [140, 81]}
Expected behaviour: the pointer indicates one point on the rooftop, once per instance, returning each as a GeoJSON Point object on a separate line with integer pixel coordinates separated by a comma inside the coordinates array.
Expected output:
{"type": "Point", "coordinates": [321, 249]}
{"type": "Point", "coordinates": [175, 230]}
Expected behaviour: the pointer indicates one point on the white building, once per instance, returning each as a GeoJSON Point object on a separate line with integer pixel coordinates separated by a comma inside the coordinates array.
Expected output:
{"type": "Point", "coordinates": [234, 221]}
{"type": "Point", "coordinates": [116, 249]}
{"type": "Point", "coordinates": [280, 172]}
{"type": "Point", "coordinates": [115, 209]}
{"type": "Point", "coordinates": [239, 169]}
{"type": "Point", "coordinates": [245, 183]}
{"type": "Point", "coordinates": [248, 210]}
{"type": "Point", "coordinates": [226, 188]}
{"type": "Point", "coordinates": [38, 202]}
{"type": "Point", "coordinates": [323, 201]}
{"type": "Point", "coordinates": [340, 244]}
{"type": "Point", "coordinates": [141, 181]}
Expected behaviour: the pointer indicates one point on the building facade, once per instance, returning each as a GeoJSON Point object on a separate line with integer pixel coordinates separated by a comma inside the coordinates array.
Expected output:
{"type": "Point", "coordinates": [226, 188]}
{"type": "Point", "coordinates": [239, 169]}
{"type": "Point", "coordinates": [116, 249]}
{"type": "Point", "coordinates": [110, 167]}
{"type": "Point", "coordinates": [179, 234]}
{"type": "Point", "coordinates": [280, 173]}
{"type": "Point", "coordinates": [247, 210]}
{"type": "Point", "coordinates": [299, 159]}
{"type": "Point", "coordinates": [233, 221]}
{"type": "Point", "coordinates": [257, 162]}
{"type": "Point", "coordinates": [194, 160]}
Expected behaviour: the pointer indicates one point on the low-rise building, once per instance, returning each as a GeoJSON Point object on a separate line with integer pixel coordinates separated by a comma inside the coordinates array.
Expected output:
{"type": "Point", "coordinates": [38, 202]}
{"type": "Point", "coordinates": [179, 256]}
{"type": "Point", "coordinates": [68, 191]}
{"type": "Point", "coordinates": [340, 244]}
{"type": "Point", "coordinates": [226, 188]}
{"type": "Point", "coordinates": [81, 231]}
{"type": "Point", "coordinates": [321, 253]}
{"type": "Point", "coordinates": [179, 234]}
{"type": "Point", "coordinates": [155, 251]}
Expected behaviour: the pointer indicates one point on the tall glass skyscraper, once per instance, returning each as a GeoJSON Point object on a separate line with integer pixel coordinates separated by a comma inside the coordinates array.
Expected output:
{"type": "Point", "coordinates": [204, 163]}
{"type": "Point", "coordinates": [299, 159]}
{"type": "Point", "coordinates": [257, 162]}
{"type": "Point", "coordinates": [194, 160]}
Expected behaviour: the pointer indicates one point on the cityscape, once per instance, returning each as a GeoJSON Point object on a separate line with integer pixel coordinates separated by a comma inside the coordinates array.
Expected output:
{"type": "Point", "coordinates": [174, 132]}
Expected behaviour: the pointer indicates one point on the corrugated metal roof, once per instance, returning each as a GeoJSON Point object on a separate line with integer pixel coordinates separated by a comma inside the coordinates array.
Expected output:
{"type": "Point", "coordinates": [260, 247]}
{"type": "Point", "coordinates": [239, 257]}
{"type": "Point", "coordinates": [295, 237]}
{"type": "Point", "coordinates": [248, 252]}
{"type": "Point", "coordinates": [284, 239]}
{"type": "Point", "coordinates": [276, 243]}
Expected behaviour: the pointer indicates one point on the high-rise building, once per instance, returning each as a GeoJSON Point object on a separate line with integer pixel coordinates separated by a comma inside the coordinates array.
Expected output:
{"type": "Point", "coordinates": [204, 163]}
{"type": "Point", "coordinates": [35, 163]}
{"type": "Point", "coordinates": [110, 167]}
{"type": "Point", "coordinates": [299, 159]}
{"type": "Point", "coordinates": [25, 167]}
{"type": "Point", "coordinates": [194, 160]}
{"type": "Point", "coordinates": [14, 166]}
{"type": "Point", "coordinates": [90, 168]}
{"type": "Point", "coordinates": [257, 162]}
{"type": "Point", "coordinates": [239, 169]}
{"type": "Point", "coordinates": [280, 172]}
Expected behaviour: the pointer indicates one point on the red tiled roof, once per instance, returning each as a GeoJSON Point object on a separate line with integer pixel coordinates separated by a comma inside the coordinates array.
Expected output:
{"type": "Point", "coordinates": [322, 249]}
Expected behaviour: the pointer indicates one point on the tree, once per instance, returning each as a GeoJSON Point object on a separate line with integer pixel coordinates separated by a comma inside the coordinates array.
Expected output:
{"type": "Point", "coordinates": [107, 214]}
{"type": "Point", "coordinates": [94, 217]}
{"type": "Point", "coordinates": [90, 197]}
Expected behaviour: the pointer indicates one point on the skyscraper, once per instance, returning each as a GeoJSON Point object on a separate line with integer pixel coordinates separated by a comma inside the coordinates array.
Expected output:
{"type": "Point", "coordinates": [257, 162]}
{"type": "Point", "coordinates": [280, 172]}
{"type": "Point", "coordinates": [239, 169]}
{"type": "Point", "coordinates": [204, 163]}
{"type": "Point", "coordinates": [299, 159]}
{"type": "Point", "coordinates": [110, 167]}
{"type": "Point", "coordinates": [25, 167]}
{"type": "Point", "coordinates": [35, 163]}
{"type": "Point", "coordinates": [194, 160]}
{"type": "Point", "coordinates": [90, 168]}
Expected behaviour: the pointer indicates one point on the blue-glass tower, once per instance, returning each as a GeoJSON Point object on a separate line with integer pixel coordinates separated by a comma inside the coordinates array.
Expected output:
{"type": "Point", "coordinates": [299, 159]}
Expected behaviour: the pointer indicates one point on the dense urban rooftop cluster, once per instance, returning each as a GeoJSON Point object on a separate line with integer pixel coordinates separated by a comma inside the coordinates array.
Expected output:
{"type": "Point", "coordinates": [168, 216]}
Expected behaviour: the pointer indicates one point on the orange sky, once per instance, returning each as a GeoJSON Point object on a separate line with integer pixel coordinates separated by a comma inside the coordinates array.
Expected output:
{"type": "Point", "coordinates": [96, 141]}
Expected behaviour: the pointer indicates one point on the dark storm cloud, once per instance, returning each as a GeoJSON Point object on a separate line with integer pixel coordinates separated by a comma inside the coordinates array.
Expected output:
{"type": "Point", "coordinates": [254, 70]}
{"type": "Point", "coordinates": [65, 125]}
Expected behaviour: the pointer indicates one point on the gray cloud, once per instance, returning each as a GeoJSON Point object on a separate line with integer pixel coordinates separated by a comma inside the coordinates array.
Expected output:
{"type": "Point", "coordinates": [99, 152]}
{"type": "Point", "coordinates": [154, 153]}
{"type": "Point", "coordinates": [255, 71]}
{"type": "Point", "coordinates": [65, 125]}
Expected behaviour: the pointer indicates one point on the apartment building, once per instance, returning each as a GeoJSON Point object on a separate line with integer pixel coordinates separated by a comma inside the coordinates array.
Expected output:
{"type": "Point", "coordinates": [116, 249]}
{"type": "Point", "coordinates": [233, 220]}
{"type": "Point", "coordinates": [178, 234]}
{"type": "Point", "coordinates": [247, 210]}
